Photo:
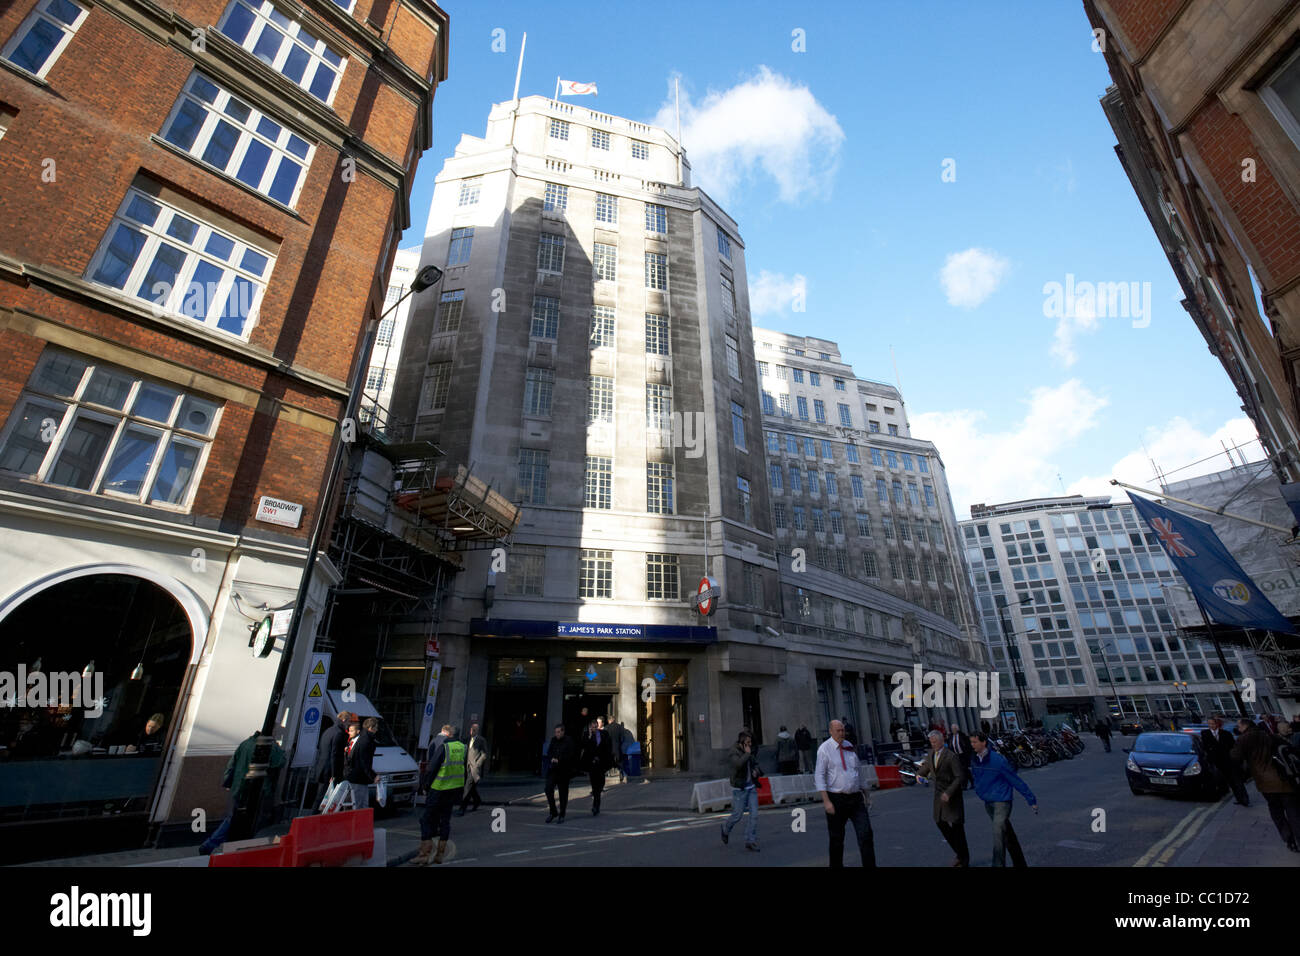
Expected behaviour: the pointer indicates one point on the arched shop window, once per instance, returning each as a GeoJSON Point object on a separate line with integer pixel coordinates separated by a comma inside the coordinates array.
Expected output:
{"type": "Point", "coordinates": [84, 666]}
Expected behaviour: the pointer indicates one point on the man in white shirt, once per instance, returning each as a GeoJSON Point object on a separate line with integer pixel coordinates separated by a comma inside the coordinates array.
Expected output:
{"type": "Point", "coordinates": [842, 796]}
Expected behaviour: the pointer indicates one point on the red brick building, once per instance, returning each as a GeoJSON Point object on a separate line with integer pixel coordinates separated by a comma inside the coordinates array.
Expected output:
{"type": "Point", "coordinates": [200, 200]}
{"type": "Point", "coordinates": [1206, 108]}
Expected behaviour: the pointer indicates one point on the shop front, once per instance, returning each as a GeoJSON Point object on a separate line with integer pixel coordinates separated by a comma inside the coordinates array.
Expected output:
{"type": "Point", "coordinates": [543, 673]}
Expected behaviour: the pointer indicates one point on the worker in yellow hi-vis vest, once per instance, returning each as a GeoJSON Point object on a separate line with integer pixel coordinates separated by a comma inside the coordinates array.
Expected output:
{"type": "Point", "coordinates": [446, 776]}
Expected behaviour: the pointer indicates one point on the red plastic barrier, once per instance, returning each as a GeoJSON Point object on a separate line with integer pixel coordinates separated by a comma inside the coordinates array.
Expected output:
{"type": "Point", "coordinates": [888, 777]}
{"type": "Point", "coordinates": [764, 792]}
{"type": "Point", "coordinates": [272, 855]}
{"type": "Point", "coordinates": [330, 839]}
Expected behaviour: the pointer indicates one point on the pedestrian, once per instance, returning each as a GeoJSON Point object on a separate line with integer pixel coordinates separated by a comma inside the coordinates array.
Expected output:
{"type": "Point", "coordinates": [803, 742]}
{"type": "Point", "coordinates": [787, 753]}
{"type": "Point", "coordinates": [843, 798]}
{"type": "Point", "coordinates": [1102, 730]}
{"type": "Point", "coordinates": [994, 779]}
{"type": "Point", "coordinates": [745, 774]}
{"type": "Point", "coordinates": [236, 781]}
{"type": "Point", "coordinates": [945, 769]}
{"type": "Point", "coordinates": [616, 739]}
{"type": "Point", "coordinates": [358, 764]}
{"type": "Point", "coordinates": [959, 744]}
{"type": "Point", "coordinates": [850, 732]}
{"type": "Point", "coordinates": [1218, 745]}
{"type": "Point", "coordinates": [1256, 748]}
{"type": "Point", "coordinates": [328, 766]}
{"type": "Point", "coordinates": [597, 755]}
{"type": "Point", "coordinates": [476, 760]}
{"type": "Point", "coordinates": [446, 776]}
{"type": "Point", "coordinates": [561, 758]}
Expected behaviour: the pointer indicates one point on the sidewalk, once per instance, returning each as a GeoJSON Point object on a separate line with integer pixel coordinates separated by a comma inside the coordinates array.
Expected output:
{"type": "Point", "coordinates": [1237, 836]}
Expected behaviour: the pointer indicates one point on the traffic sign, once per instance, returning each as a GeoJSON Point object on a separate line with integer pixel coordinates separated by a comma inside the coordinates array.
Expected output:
{"type": "Point", "coordinates": [706, 596]}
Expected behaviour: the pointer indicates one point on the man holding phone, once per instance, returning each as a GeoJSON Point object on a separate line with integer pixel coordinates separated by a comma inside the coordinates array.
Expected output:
{"type": "Point", "coordinates": [745, 775]}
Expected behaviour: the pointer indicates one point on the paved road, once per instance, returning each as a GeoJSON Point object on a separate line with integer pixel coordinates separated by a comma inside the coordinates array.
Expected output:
{"type": "Point", "coordinates": [1137, 829]}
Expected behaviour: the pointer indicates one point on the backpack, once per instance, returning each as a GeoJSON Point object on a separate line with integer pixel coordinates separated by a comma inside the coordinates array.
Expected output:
{"type": "Point", "coordinates": [1286, 761]}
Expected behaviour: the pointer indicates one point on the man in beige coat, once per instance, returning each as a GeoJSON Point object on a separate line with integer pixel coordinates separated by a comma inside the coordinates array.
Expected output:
{"type": "Point", "coordinates": [944, 768]}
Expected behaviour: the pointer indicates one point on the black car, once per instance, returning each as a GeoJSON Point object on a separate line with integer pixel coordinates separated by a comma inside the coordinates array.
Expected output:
{"type": "Point", "coordinates": [1171, 762]}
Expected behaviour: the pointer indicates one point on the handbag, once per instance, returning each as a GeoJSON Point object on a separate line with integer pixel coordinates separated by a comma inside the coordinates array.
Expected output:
{"type": "Point", "coordinates": [381, 790]}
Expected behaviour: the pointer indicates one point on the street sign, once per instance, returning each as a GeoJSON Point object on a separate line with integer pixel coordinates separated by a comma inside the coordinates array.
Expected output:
{"type": "Point", "coordinates": [706, 596]}
{"type": "Point", "coordinates": [313, 709]}
{"type": "Point", "coordinates": [430, 700]}
{"type": "Point", "coordinates": [275, 511]}
{"type": "Point", "coordinates": [431, 647]}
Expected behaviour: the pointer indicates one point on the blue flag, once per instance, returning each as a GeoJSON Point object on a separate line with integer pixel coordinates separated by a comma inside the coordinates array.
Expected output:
{"type": "Point", "coordinates": [1225, 592]}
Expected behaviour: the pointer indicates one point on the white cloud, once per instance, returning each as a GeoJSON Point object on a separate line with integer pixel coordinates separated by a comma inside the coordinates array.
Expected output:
{"type": "Point", "coordinates": [767, 124]}
{"type": "Point", "coordinates": [972, 276]}
{"type": "Point", "coordinates": [996, 466]}
{"type": "Point", "coordinates": [775, 293]}
{"type": "Point", "coordinates": [1173, 446]}
{"type": "Point", "coordinates": [1082, 317]}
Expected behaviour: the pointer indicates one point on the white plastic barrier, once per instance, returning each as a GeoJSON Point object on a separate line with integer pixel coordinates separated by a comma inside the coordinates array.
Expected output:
{"type": "Point", "coordinates": [711, 795]}
{"type": "Point", "coordinates": [792, 788]}
{"type": "Point", "coordinates": [867, 776]}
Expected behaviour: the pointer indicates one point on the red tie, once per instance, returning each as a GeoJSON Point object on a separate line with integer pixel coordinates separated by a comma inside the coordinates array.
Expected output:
{"type": "Point", "coordinates": [843, 764]}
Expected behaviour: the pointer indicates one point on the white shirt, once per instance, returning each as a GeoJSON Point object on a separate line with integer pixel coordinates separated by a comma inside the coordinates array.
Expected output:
{"type": "Point", "coordinates": [837, 769]}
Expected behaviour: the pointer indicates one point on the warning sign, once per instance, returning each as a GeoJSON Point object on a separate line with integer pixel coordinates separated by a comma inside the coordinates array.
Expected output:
{"type": "Point", "coordinates": [314, 712]}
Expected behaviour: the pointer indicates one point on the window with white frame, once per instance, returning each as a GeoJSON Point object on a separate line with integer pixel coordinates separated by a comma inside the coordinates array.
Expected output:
{"type": "Point", "coordinates": [742, 493]}
{"type": "Point", "coordinates": [800, 521]}
{"type": "Point", "coordinates": [97, 428]}
{"type": "Point", "coordinates": [846, 416]}
{"type": "Point", "coordinates": [774, 477]}
{"type": "Point", "coordinates": [437, 383]}
{"type": "Point", "coordinates": [216, 127]}
{"type": "Point", "coordinates": [451, 306]}
{"type": "Point", "coordinates": [533, 466]}
{"type": "Point", "coordinates": [658, 407]}
{"type": "Point", "coordinates": [1282, 96]}
{"type": "Point", "coordinates": [546, 317]}
{"type": "Point", "coordinates": [738, 426]}
{"type": "Point", "coordinates": [839, 385]}
{"type": "Point", "coordinates": [595, 574]}
{"type": "Point", "coordinates": [539, 385]}
{"type": "Point", "coordinates": [656, 218]}
{"type": "Point", "coordinates": [818, 520]}
{"type": "Point", "coordinates": [600, 399]}
{"type": "Point", "coordinates": [656, 271]}
{"type": "Point", "coordinates": [462, 243]}
{"type": "Point", "coordinates": [733, 358]}
{"type": "Point", "coordinates": [607, 209]}
{"type": "Point", "coordinates": [559, 129]}
{"type": "Point", "coordinates": [856, 482]}
{"type": "Point", "coordinates": [819, 410]}
{"type": "Point", "coordinates": [375, 378]}
{"type": "Point", "coordinates": [779, 515]}
{"type": "Point", "coordinates": [864, 524]}
{"type": "Point", "coordinates": [44, 35]}
{"type": "Point", "coordinates": [602, 327]}
{"type": "Point", "coordinates": [659, 488]}
{"type": "Point", "coordinates": [724, 245]}
{"type": "Point", "coordinates": [550, 253]}
{"type": "Point", "coordinates": [869, 566]}
{"type": "Point", "coordinates": [392, 295]}
{"type": "Point", "coordinates": [640, 150]}
{"type": "Point", "coordinates": [851, 454]}
{"type": "Point", "coordinates": [656, 334]}
{"type": "Point", "coordinates": [6, 118]}
{"type": "Point", "coordinates": [182, 264]}
{"type": "Point", "coordinates": [284, 45]}
{"type": "Point", "coordinates": [783, 401]}
{"type": "Point", "coordinates": [728, 297]}
{"type": "Point", "coordinates": [798, 375]}
{"type": "Point", "coordinates": [527, 571]}
{"type": "Point", "coordinates": [555, 197]}
{"type": "Point", "coordinates": [604, 262]}
{"type": "Point", "coordinates": [661, 578]}
{"type": "Point", "coordinates": [599, 483]}
{"type": "Point", "coordinates": [600, 139]}
{"type": "Point", "coordinates": [769, 403]}
{"type": "Point", "coordinates": [469, 191]}
{"type": "Point", "coordinates": [385, 335]}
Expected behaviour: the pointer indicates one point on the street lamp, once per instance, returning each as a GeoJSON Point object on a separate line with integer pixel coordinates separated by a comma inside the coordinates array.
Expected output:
{"type": "Point", "coordinates": [248, 808]}
{"type": "Point", "coordinates": [1181, 687]}
{"type": "Point", "coordinates": [1013, 650]}
{"type": "Point", "coordinates": [1119, 703]}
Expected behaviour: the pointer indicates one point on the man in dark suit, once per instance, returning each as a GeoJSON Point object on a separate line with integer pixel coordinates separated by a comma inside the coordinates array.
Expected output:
{"type": "Point", "coordinates": [944, 767]}
{"type": "Point", "coordinates": [560, 759]}
{"type": "Point", "coordinates": [329, 756]}
{"type": "Point", "coordinates": [358, 770]}
{"type": "Point", "coordinates": [1218, 746]}
{"type": "Point", "coordinates": [597, 756]}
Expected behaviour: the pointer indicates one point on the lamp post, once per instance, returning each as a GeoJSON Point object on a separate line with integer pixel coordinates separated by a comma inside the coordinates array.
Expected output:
{"type": "Point", "coordinates": [1181, 687]}
{"type": "Point", "coordinates": [1118, 702]}
{"type": "Point", "coordinates": [248, 807]}
{"type": "Point", "coordinates": [1013, 651]}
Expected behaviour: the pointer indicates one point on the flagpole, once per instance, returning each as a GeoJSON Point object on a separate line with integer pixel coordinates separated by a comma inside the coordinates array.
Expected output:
{"type": "Point", "coordinates": [1193, 504]}
{"type": "Point", "coordinates": [1223, 661]}
{"type": "Point", "coordinates": [556, 97]}
{"type": "Point", "coordinates": [520, 69]}
{"type": "Point", "coordinates": [677, 97]}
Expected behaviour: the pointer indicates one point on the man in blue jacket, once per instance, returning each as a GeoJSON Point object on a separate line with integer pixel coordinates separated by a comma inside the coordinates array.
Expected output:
{"type": "Point", "coordinates": [994, 778]}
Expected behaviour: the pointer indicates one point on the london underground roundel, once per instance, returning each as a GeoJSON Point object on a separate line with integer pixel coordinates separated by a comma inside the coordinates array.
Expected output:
{"type": "Point", "coordinates": [706, 596]}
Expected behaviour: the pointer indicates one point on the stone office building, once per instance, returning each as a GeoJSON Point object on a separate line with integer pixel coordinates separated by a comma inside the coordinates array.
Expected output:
{"type": "Point", "coordinates": [590, 353]}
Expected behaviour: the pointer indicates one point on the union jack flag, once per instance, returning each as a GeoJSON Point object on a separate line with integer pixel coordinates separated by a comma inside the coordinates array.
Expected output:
{"type": "Point", "coordinates": [1171, 539]}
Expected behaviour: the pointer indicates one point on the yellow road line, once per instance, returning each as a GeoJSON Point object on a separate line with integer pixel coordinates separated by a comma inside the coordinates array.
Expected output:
{"type": "Point", "coordinates": [1168, 838]}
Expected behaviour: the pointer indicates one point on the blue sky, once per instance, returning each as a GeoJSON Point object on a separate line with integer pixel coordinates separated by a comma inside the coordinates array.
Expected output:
{"type": "Point", "coordinates": [831, 160]}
